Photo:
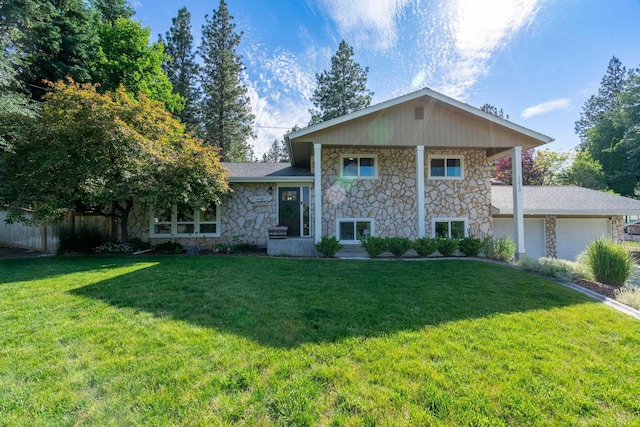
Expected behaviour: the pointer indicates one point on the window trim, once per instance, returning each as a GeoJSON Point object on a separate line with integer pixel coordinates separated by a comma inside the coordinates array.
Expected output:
{"type": "Point", "coordinates": [446, 157]}
{"type": "Point", "coordinates": [359, 156]}
{"type": "Point", "coordinates": [174, 224]}
{"type": "Point", "coordinates": [465, 220]}
{"type": "Point", "coordinates": [372, 228]}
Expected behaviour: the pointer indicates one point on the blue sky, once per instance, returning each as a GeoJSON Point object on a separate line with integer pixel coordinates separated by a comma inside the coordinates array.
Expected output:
{"type": "Point", "coordinates": [538, 60]}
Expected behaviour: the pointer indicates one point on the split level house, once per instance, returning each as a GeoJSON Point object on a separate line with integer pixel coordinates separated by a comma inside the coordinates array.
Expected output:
{"type": "Point", "coordinates": [415, 166]}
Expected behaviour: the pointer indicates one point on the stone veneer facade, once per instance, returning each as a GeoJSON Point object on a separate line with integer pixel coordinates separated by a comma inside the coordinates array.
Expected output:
{"type": "Point", "coordinates": [390, 199]}
{"type": "Point", "coordinates": [550, 236]}
{"type": "Point", "coordinates": [239, 217]}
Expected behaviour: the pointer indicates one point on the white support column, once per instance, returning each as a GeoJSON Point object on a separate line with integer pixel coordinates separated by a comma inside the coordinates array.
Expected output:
{"type": "Point", "coordinates": [518, 205]}
{"type": "Point", "coordinates": [317, 191]}
{"type": "Point", "coordinates": [420, 189]}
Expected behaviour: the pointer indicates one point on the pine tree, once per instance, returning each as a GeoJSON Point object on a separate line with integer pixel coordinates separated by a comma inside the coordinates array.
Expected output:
{"type": "Point", "coordinates": [226, 110]}
{"type": "Point", "coordinates": [341, 90]}
{"type": "Point", "coordinates": [606, 99]}
{"type": "Point", "coordinates": [110, 10]}
{"type": "Point", "coordinates": [181, 67]}
{"type": "Point", "coordinates": [277, 153]}
{"type": "Point", "coordinates": [488, 108]}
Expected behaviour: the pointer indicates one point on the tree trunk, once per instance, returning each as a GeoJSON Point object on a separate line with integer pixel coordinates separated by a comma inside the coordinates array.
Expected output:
{"type": "Point", "coordinates": [124, 219]}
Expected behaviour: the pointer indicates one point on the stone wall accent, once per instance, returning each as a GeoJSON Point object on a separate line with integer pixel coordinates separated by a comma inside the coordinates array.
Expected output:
{"type": "Point", "coordinates": [469, 197]}
{"type": "Point", "coordinates": [550, 236]}
{"type": "Point", "coordinates": [617, 228]}
{"type": "Point", "coordinates": [389, 199]}
{"type": "Point", "coordinates": [240, 217]}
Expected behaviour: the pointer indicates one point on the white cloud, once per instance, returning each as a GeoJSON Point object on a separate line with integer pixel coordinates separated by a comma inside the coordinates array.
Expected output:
{"type": "Point", "coordinates": [477, 29]}
{"type": "Point", "coordinates": [546, 107]}
{"type": "Point", "coordinates": [368, 23]}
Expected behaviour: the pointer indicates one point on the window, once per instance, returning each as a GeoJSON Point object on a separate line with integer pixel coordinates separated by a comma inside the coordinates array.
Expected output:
{"type": "Point", "coordinates": [186, 223]}
{"type": "Point", "coordinates": [452, 228]}
{"type": "Point", "coordinates": [351, 230]}
{"type": "Point", "coordinates": [445, 167]}
{"type": "Point", "coordinates": [358, 167]}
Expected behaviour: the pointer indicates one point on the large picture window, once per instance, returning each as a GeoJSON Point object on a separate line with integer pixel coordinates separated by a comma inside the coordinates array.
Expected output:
{"type": "Point", "coordinates": [186, 223]}
{"type": "Point", "coordinates": [443, 167]}
{"type": "Point", "coordinates": [451, 228]}
{"type": "Point", "coordinates": [351, 230]}
{"type": "Point", "coordinates": [363, 166]}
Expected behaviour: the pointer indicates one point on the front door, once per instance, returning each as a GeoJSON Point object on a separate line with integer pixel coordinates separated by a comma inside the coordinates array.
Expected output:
{"type": "Point", "coordinates": [289, 209]}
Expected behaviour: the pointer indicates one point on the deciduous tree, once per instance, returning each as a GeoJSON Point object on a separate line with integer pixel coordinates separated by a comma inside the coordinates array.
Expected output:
{"type": "Point", "coordinates": [584, 172]}
{"type": "Point", "coordinates": [538, 167]}
{"type": "Point", "coordinates": [105, 152]}
{"type": "Point", "coordinates": [342, 89]}
{"type": "Point", "coordinates": [226, 110]}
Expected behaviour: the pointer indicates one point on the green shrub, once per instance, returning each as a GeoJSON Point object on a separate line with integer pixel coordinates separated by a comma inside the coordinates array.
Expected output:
{"type": "Point", "coordinates": [629, 295]}
{"type": "Point", "coordinates": [398, 245]}
{"type": "Point", "coordinates": [82, 240]}
{"type": "Point", "coordinates": [502, 249]}
{"type": "Point", "coordinates": [447, 247]}
{"type": "Point", "coordinates": [558, 268]}
{"type": "Point", "coordinates": [609, 262]}
{"type": "Point", "coordinates": [174, 247]}
{"type": "Point", "coordinates": [470, 246]}
{"type": "Point", "coordinates": [425, 246]}
{"type": "Point", "coordinates": [329, 246]}
{"type": "Point", "coordinates": [374, 245]}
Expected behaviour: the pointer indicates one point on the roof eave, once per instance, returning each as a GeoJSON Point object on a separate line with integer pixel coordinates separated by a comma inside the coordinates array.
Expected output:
{"type": "Point", "coordinates": [260, 179]}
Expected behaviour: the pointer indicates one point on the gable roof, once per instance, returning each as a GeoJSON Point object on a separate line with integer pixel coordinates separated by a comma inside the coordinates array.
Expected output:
{"type": "Point", "coordinates": [562, 200]}
{"type": "Point", "coordinates": [266, 172]}
{"type": "Point", "coordinates": [445, 122]}
{"type": "Point", "coordinates": [417, 95]}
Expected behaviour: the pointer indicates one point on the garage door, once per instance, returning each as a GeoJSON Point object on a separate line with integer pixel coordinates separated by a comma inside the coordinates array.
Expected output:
{"type": "Point", "coordinates": [575, 234]}
{"type": "Point", "coordinates": [534, 243]}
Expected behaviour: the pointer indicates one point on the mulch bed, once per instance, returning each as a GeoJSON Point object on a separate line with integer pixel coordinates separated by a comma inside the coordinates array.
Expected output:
{"type": "Point", "coordinates": [600, 288]}
{"type": "Point", "coordinates": [9, 252]}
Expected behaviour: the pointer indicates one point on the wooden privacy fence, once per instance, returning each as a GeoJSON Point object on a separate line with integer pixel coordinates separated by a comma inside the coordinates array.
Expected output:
{"type": "Point", "coordinates": [46, 238]}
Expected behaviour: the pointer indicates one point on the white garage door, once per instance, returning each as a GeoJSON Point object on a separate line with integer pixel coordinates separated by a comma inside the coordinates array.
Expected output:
{"type": "Point", "coordinates": [575, 234]}
{"type": "Point", "coordinates": [534, 242]}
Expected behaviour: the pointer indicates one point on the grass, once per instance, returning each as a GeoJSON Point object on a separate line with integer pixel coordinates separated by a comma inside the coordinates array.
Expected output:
{"type": "Point", "coordinates": [178, 340]}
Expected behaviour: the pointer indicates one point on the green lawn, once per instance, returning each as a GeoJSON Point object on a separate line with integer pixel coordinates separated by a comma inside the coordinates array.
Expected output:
{"type": "Point", "coordinates": [187, 340]}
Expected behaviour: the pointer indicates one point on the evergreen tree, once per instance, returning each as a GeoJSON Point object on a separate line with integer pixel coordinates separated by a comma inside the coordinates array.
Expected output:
{"type": "Point", "coordinates": [277, 153]}
{"type": "Point", "coordinates": [488, 108]}
{"type": "Point", "coordinates": [226, 110]}
{"type": "Point", "coordinates": [341, 90]}
{"type": "Point", "coordinates": [110, 10]}
{"type": "Point", "coordinates": [605, 100]}
{"type": "Point", "coordinates": [56, 39]}
{"type": "Point", "coordinates": [181, 67]}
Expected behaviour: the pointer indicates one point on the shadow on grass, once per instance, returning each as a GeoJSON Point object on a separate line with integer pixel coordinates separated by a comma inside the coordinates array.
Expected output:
{"type": "Point", "coordinates": [28, 269]}
{"type": "Point", "coordinates": [287, 302]}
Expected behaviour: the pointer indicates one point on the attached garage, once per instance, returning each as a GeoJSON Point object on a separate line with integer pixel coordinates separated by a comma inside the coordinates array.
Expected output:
{"type": "Point", "coordinates": [574, 234]}
{"type": "Point", "coordinates": [560, 222]}
{"type": "Point", "coordinates": [534, 241]}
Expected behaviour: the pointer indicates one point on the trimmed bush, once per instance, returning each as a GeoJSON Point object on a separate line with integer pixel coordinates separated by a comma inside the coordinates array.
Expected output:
{"type": "Point", "coordinates": [558, 268]}
{"type": "Point", "coordinates": [609, 262]}
{"type": "Point", "coordinates": [425, 246]}
{"type": "Point", "coordinates": [502, 249]}
{"type": "Point", "coordinates": [398, 245]}
{"type": "Point", "coordinates": [374, 245]}
{"type": "Point", "coordinates": [447, 247]}
{"type": "Point", "coordinates": [470, 246]}
{"type": "Point", "coordinates": [329, 246]}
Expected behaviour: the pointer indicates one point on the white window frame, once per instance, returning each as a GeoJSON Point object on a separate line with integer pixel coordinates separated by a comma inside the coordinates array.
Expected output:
{"type": "Point", "coordinates": [359, 156]}
{"type": "Point", "coordinates": [372, 229]}
{"type": "Point", "coordinates": [449, 220]}
{"type": "Point", "coordinates": [446, 157]}
{"type": "Point", "coordinates": [174, 224]}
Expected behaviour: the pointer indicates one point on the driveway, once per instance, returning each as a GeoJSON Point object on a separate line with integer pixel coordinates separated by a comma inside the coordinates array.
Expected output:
{"type": "Point", "coordinates": [635, 276]}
